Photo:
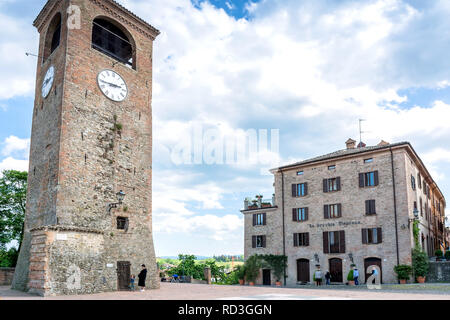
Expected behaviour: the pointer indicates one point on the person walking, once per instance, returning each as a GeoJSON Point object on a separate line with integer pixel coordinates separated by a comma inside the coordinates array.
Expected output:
{"type": "Point", "coordinates": [142, 275]}
{"type": "Point", "coordinates": [328, 278]}
{"type": "Point", "coordinates": [355, 276]}
{"type": "Point", "coordinates": [318, 276]}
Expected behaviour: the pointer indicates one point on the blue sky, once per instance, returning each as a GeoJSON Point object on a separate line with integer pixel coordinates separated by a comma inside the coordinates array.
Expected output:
{"type": "Point", "coordinates": [310, 69]}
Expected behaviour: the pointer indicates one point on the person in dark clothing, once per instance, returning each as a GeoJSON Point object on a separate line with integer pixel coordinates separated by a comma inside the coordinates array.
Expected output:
{"type": "Point", "coordinates": [328, 277]}
{"type": "Point", "coordinates": [142, 275]}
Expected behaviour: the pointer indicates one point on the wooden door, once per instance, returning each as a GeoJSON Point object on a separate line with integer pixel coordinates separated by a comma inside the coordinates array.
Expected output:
{"type": "Point", "coordinates": [303, 270]}
{"type": "Point", "coordinates": [335, 269]}
{"type": "Point", "coordinates": [266, 277]}
{"type": "Point", "coordinates": [123, 275]}
{"type": "Point", "coordinates": [371, 262]}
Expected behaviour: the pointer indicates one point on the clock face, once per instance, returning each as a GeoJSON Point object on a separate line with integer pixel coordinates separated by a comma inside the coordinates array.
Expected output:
{"type": "Point", "coordinates": [48, 82]}
{"type": "Point", "coordinates": [112, 85]}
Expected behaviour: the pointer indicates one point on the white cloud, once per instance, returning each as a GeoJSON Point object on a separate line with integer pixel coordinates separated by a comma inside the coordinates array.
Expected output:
{"type": "Point", "coordinates": [14, 145]}
{"type": "Point", "coordinates": [18, 70]}
{"type": "Point", "coordinates": [13, 164]}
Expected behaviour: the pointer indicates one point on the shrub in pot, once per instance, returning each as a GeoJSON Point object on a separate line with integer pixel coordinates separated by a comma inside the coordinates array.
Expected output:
{"type": "Point", "coordinates": [403, 272]}
{"type": "Point", "coordinates": [240, 273]}
{"type": "Point", "coordinates": [447, 254]}
{"type": "Point", "coordinates": [252, 266]}
{"type": "Point", "coordinates": [350, 278]}
{"type": "Point", "coordinates": [438, 254]}
{"type": "Point", "coordinates": [420, 264]}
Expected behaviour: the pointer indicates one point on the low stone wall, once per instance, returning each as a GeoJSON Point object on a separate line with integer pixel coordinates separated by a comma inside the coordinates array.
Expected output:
{"type": "Point", "coordinates": [439, 271]}
{"type": "Point", "coordinates": [6, 276]}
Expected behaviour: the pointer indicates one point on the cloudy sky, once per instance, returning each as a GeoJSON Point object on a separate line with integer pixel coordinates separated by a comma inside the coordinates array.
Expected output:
{"type": "Point", "coordinates": [310, 69]}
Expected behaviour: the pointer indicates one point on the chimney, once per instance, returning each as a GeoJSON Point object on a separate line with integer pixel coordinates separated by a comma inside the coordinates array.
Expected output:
{"type": "Point", "coordinates": [383, 143]}
{"type": "Point", "coordinates": [351, 144]}
{"type": "Point", "coordinates": [361, 145]}
{"type": "Point", "coordinates": [246, 204]}
{"type": "Point", "coordinates": [273, 200]}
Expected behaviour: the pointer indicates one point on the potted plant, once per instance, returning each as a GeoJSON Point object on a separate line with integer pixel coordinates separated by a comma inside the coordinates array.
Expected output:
{"type": "Point", "coordinates": [447, 255]}
{"type": "Point", "coordinates": [403, 272]}
{"type": "Point", "coordinates": [438, 253]}
{"type": "Point", "coordinates": [252, 266]}
{"type": "Point", "coordinates": [350, 279]}
{"type": "Point", "coordinates": [240, 273]}
{"type": "Point", "coordinates": [420, 264]}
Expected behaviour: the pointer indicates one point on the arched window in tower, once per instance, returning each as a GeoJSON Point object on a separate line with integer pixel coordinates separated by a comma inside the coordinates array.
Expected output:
{"type": "Point", "coordinates": [111, 39]}
{"type": "Point", "coordinates": [53, 36]}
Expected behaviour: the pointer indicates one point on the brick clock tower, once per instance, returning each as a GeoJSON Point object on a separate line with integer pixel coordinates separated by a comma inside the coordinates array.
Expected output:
{"type": "Point", "coordinates": [91, 146]}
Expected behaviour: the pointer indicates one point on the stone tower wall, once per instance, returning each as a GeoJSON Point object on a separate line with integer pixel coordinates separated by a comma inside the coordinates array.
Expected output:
{"type": "Point", "coordinates": [92, 159]}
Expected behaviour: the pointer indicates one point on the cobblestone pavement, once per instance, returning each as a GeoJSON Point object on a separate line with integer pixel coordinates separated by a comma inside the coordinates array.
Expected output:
{"type": "Point", "coordinates": [181, 291]}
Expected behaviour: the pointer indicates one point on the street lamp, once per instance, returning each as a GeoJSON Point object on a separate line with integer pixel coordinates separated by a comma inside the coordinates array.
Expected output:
{"type": "Point", "coordinates": [120, 196]}
{"type": "Point", "coordinates": [416, 217]}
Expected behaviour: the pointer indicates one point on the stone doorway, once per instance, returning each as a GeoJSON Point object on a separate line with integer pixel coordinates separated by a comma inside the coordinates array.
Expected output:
{"type": "Point", "coordinates": [123, 275]}
{"type": "Point", "coordinates": [335, 270]}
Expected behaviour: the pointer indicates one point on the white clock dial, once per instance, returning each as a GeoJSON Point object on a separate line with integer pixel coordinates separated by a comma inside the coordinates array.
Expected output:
{"type": "Point", "coordinates": [48, 81]}
{"type": "Point", "coordinates": [112, 85]}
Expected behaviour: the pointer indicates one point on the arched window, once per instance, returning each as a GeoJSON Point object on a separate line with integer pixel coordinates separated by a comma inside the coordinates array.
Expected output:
{"type": "Point", "coordinates": [111, 39]}
{"type": "Point", "coordinates": [53, 36]}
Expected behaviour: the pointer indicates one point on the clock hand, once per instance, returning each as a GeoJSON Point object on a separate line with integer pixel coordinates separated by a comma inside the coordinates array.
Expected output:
{"type": "Point", "coordinates": [111, 84]}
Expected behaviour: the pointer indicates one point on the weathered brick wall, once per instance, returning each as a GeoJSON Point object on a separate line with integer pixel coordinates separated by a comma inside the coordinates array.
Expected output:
{"type": "Point", "coordinates": [6, 276]}
{"type": "Point", "coordinates": [439, 272]}
{"type": "Point", "coordinates": [79, 161]}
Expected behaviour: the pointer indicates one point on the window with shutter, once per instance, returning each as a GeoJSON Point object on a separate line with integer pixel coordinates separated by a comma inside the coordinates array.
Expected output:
{"type": "Point", "coordinates": [341, 241]}
{"type": "Point", "coordinates": [295, 239]}
{"type": "Point", "coordinates": [253, 241]}
{"type": "Point", "coordinates": [325, 185]}
{"type": "Point", "coordinates": [326, 248]}
{"type": "Point", "coordinates": [264, 218]}
{"type": "Point", "coordinates": [338, 182]}
{"type": "Point", "coordinates": [325, 212]}
{"type": "Point", "coordinates": [263, 241]}
{"type": "Point", "coordinates": [254, 220]}
{"type": "Point", "coordinates": [370, 207]}
{"type": "Point", "coordinates": [294, 214]}
{"type": "Point", "coordinates": [361, 180]}
{"type": "Point", "coordinates": [379, 235]}
{"type": "Point", "coordinates": [364, 236]}
{"type": "Point", "coordinates": [376, 178]}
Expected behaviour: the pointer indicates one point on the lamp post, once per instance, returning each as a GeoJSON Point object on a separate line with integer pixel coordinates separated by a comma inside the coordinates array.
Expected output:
{"type": "Point", "coordinates": [416, 217]}
{"type": "Point", "coordinates": [120, 196]}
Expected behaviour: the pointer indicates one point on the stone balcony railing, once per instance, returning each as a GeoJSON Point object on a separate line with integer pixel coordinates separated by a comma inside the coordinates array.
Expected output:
{"type": "Point", "coordinates": [259, 203]}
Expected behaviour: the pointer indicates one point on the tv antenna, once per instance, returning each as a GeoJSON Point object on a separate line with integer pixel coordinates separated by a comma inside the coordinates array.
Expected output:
{"type": "Point", "coordinates": [360, 131]}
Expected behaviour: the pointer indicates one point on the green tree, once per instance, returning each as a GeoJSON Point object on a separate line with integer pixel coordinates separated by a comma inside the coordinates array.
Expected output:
{"type": "Point", "coordinates": [13, 192]}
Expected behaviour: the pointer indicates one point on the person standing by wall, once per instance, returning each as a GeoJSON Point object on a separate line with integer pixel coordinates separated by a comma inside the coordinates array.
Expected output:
{"type": "Point", "coordinates": [318, 276]}
{"type": "Point", "coordinates": [328, 278]}
{"type": "Point", "coordinates": [356, 276]}
{"type": "Point", "coordinates": [142, 276]}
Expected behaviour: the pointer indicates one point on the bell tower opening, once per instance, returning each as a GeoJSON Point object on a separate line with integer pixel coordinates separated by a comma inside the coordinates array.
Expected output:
{"type": "Point", "coordinates": [110, 38]}
{"type": "Point", "coordinates": [53, 36]}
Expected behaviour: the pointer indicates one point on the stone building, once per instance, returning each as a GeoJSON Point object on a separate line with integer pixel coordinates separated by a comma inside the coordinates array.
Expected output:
{"type": "Point", "coordinates": [356, 205]}
{"type": "Point", "coordinates": [91, 146]}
